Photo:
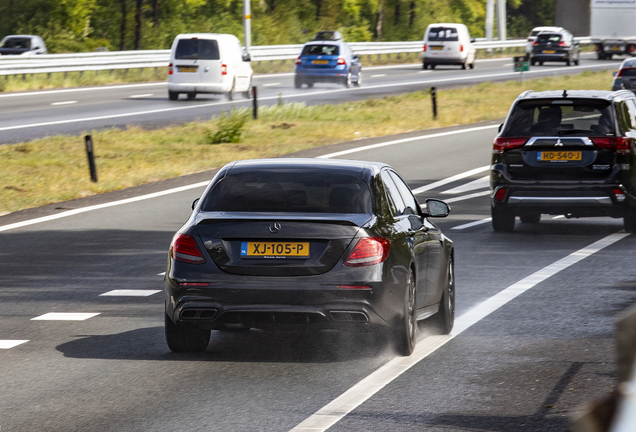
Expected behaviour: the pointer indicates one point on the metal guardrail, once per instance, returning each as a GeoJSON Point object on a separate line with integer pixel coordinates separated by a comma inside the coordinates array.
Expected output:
{"type": "Point", "coordinates": [99, 61]}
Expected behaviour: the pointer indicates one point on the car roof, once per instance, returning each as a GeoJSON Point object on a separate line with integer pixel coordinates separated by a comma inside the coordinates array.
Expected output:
{"type": "Point", "coordinates": [579, 94]}
{"type": "Point", "coordinates": [342, 165]}
{"type": "Point", "coordinates": [325, 42]}
{"type": "Point", "coordinates": [628, 63]}
{"type": "Point", "coordinates": [21, 36]}
{"type": "Point", "coordinates": [206, 36]}
{"type": "Point", "coordinates": [547, 28]}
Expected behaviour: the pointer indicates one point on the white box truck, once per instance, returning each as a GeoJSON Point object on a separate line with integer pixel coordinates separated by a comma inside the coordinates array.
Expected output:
{"type": "Point", "coordinates": [613, 27]}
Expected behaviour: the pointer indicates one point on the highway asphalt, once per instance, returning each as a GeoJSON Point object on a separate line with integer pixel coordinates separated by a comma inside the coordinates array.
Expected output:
{"type": "Point", "coordinates": [534, 336]}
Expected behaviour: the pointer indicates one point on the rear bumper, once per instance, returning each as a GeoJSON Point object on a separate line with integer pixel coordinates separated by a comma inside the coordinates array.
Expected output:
{"type": "Point", "coordinates": [444, 60]}
{"type": "Point", "coordinates": [322, 75]}
{"type": "Point", "coordinates": [550, 57]}
{"type": "Point", "coordinates": [216, 88]}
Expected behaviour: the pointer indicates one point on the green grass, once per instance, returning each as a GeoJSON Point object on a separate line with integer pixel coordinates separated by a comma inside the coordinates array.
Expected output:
{"type": "Point", "coordinates": [55, 169]}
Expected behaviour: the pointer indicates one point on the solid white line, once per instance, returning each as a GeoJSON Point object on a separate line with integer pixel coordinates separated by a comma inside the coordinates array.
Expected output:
{"type": "Point", "coordinates": [481, 183]}
{"type": "Point", "coordinates": [129, 293]}
{"type": "Point", "coordinates": [99, 206]}
{"type": "Point", "coordinates": [64, 103]}
{"type": "Point", "coordinates": [469, 196]}
{"type": "Point", "coordinates": [378, 75]}
{"type": "Point", "coordinates": [140, 95]}
{"type": "Point", "coordinates": [472, 224]}
{"type": "Point", "coordinates": [161, 274]}
{"type": "Point", "coordinates": [82, 89]}
{"type": "Point", "coordinates": [336, 410]}
{"type": "Point", "coordinates": [7, 344]}
{"type": "Point", "coordinates": [61, 316]}
{"type": "Point", "coordinates": [450, 179]}
{"type": "Point", "coordinates": [558, 217]}
{"type": "Point", "coordinates": [403, 140]}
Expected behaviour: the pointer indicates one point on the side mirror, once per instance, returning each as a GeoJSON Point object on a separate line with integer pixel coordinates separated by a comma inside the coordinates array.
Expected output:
{"type": "Point", "coordinates": [436, 208]}
{"type": "Point", "coordinates": [473, 40]}
{"type": "Point", "coordinates": [614, 74]}
{"type": "Point", "coordinates": [36, 48]}
{"type": "Point", "coordinates": [247, 57]}
{"type": "Point", "coordinates": [356, 56]}
{"type": "Point", "coordinates": [500, 127]}
{"type": "Point", "coordinates": [194, 203]}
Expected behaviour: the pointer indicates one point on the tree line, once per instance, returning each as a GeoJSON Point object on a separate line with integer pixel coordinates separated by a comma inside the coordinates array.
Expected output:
{"type": "Point", "coordinates": [84, 25]}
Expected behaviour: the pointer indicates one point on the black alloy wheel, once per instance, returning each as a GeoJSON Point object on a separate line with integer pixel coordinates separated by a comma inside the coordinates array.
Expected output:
{"type": "Point", "coordinates": [530, 218]}
{"type": "Point", "coordinates": [406, 329]}
{"type": "Point", "coordinates": [443, 320]}
{"type": "Point", "coordinates": [185, 338]}
{"type": "Point", "coordinates": [173, 95]}
{"type": "Point", "coordinates": [502, 220]}
{"type": "Point", "coordinates": [424, 65]}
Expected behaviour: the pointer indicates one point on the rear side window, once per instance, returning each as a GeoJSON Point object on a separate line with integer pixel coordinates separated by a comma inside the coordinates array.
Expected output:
{"type": "Point", "coordinates": [544, 38]}
{"type": "Point", "coordinates": [560, 117]}
{"type": "Point", "coordinates": [197, 49]}
{"type": "Point", "coordinates": [443, 34]}
{"type": "Point", "coordinates": [290, 190]}
{"type": "Point", "coordinates": [328, 50]}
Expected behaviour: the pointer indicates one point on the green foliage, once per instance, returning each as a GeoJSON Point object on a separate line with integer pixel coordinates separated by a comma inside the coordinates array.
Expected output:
{"type": "Point", "coordinates": [230, 128]}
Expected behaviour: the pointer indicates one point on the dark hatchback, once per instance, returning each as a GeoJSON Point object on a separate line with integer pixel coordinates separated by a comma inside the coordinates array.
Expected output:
{"type": "Point", "coordinates": [565, 153]}
{"type": "Point", "coordinates": [555, 47]}
{"type": "Point", "coordinates": [308, 244]}
{"type": "Point", "coordinates": [625, 78]}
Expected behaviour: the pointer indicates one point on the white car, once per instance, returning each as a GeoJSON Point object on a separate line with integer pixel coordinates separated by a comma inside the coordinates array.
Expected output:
{"type": "Point", "coordinates": [208, 63]}
{"type": "Point", "coordinates": [533, 36]}
{"type": "Point", "coordinates": [448, 44]}
{"type": "Point", "coordinates": [22, 45]}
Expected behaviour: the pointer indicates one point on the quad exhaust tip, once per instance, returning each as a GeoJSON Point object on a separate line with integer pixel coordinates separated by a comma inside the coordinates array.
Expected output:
{"type": "Point", "coordinates": [350, 316]}
{"type": "Point", "coordinates": [197, 314]}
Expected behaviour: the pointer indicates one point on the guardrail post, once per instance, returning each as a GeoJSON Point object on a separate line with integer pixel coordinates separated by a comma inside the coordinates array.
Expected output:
{"type": "Point", "coordinates": [434, 101]}
{"type": "Point", "coordinates": [254, 103]}
{"type": "Point", "coordinates": [88, 140]}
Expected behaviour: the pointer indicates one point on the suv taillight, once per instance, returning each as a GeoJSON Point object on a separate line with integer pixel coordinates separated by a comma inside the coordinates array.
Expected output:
{"type": "Point", "coordinates": [298, 61]}
{"type": "Point", "coordinates": [223, 69]}
{"type": "Point", "coordinates": [620, 145]}
{"type": "Point", "coordinates": [341, 61]}
{"type": "Point", "coordinates": [369, 251]}
{"type": "Point", "coordinates": [424, 49]}
{"type": "Point", "coordinates": [170, 69]}
{"type": "Point", "coordinates": [503, 144]}
{"type": "Point", "coordinates": [535, 43]}
{"type": "Point", "coordinates": [461, 48]}
{"type": "Point", "coordinates": [564, 44]}
{"type": "Point", "coordinates": [184, 248]}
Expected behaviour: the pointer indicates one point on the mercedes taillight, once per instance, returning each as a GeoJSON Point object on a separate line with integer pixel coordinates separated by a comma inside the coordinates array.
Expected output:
{"type": "Point", "coordinates": [184, 248]}
{"type": "Point", "coordinates": [503, 144]}
{"type": "Point", "coordinates": [369, 251]}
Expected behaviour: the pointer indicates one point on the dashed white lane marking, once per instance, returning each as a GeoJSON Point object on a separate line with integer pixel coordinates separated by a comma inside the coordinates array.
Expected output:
{"type": "Point", "coordinates": [62, 316]}
{"type": "Point", "coordinates": [7, 344]}
{"type": "Point", "coordinates": [451, 179]}
{"type": "Point", "coordinates": [469, 196]}
{"type": "Point", "coordinates": [271, 84]}
{"type": "Point", "coordinates": [130, 293]}
{"type": "Point", "coordinates": [336, 410]}
{"type": "Point", "coordinates": [558, 217]}
{"type": "Point", "coordinates": [140, 96]}
{"type": "Point", "coordinates": [64, 103]}
{"type": "Point", "coordinates": [378, 75]}
{"type": "Point", "coordinates": [161, 274]}
{"type": "Point", "coordinates": [472, 224]}
{"type": "Point", "coordinates": [481, 183]}
{"type": "Point", "coordinates": [425, 71]}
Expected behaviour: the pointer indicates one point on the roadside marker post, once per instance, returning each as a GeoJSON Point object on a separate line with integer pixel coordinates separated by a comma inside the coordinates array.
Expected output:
{"type": "Point", "coordinates": [434, 101]}
{"type": "Point", "coordinates": [254, 103]}
{"type": "Point", "coordinates": [88, 140]}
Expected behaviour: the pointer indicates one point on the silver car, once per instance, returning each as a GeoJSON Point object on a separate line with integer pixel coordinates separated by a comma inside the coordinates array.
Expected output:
{"type": "Point", "coordinates": [625, 78]}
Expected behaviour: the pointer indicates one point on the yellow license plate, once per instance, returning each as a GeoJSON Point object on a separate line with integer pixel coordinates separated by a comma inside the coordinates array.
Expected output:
{"type": "Point", "coordinates": [559, 156]}
{"type": "Point", "coordinates": [320, 62]}
{"type": "Point", "coordinates": [275, 249]}
{"type": "Point", "coordinates": [437, 48]}
{"type": "Point", "coordinates": [616, 49]}
{"type": "Point", "coordinates": [187, 69]}
{"type": "Point", "coordinates": [549, 52]}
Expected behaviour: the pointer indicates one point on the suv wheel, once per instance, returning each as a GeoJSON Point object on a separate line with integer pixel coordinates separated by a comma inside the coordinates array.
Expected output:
{"type": "Point", "coordinates": [502, 219]}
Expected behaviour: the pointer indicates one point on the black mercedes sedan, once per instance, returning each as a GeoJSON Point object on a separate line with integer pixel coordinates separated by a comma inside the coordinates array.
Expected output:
{"type": "Point", "coordinates": [279, 244]}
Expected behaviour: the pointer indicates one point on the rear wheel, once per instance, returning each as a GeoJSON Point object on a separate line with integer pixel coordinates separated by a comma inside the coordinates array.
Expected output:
{"type": "Point", "coordinates": [472, 65]}
{"type": "Point", "coordinates": [192, 95]}
{"type": "Point", "coordinates": [629, 221]}
{"type": "Point", "coordinates": [359, 80]}
{"type": "Point", "coordinates": [568, 62]}
{"type": "Point", "coordinates": [502, 220]}
{"type": "Point", "coordinates": [185, 338]}
{"type": "Point", "coordinates": [464, 65]}
{"type": "Point", "coordinates": [298, 83]}
{"type": "Point", "coordinates": [530, 218]}
{"type": "Point", "coordinates": [347, 81]}
{"type": "Point", "coordinates": [173, 95]}
{"type": "Point", "coordinates": [532, 62]}
{"type": "Point", "coordinates": [432, 66]}
{"type": "Point", "coordinates": [424, 66]}
{"type": "Point", "coordinates": [442, 322]}
{"type": "Point", "coordinates": [310, 84]}
{"type": "Point", "coordinates": [405, 331]}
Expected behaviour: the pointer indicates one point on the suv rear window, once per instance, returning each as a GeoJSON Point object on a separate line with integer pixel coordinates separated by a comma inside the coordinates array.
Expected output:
{"type": "Point", "coordinates": [197, 49]}
{"type": "Point", "coordinates": [290, 190]}
{"type": "Point", "coordinates": [558, 117]}
{"type": "Point", "coordinates": [328, 50]}
{"type": "Point", "coordinates": [544, 38]}
{"type": "Point", "coordinates": [443, 34]}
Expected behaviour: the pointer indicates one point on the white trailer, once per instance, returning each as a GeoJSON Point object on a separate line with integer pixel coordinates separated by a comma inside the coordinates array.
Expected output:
{"type": "Point", "coordinates": [613, 27]}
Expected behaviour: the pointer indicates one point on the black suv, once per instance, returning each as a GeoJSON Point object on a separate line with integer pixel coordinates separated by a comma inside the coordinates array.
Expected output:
{"type": "Point", "coordinates": [558, 46]}
{"type": "Point", "coordinates": [565, 153]}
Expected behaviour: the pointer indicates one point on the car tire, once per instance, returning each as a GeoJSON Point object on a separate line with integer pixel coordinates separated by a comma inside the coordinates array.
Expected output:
{"type": "Point", "coordinates": [463, 65]}
{"type": "Point", "coordinates": [298, 83]}
{"type": "Point", "coordinates": [432, 66]}
{"type": "Point", "coordinates": [406, 330]}
{"type": "Point", "coordinates": [173, 95]}
{"type": "Point", "coordinates": [530, 218]}
{"type": "Point", "coordinates": [629, 221]}
{"type": "Point", "coordinates": [424, 66]}
{"type": "Point", "coordinates": [576, 62]}
{"type": "Point", "coordinates": [472, 65]}
{"type": "Point", "coordinates": [540, 63]}
{"type": "Point", "coordinates": [442, 322]}
{"type": "Point", "coordinates": [231, 93]}
{"type": "Point", "coordinates": [347, 80]}
{"type": "Point", "coordinates": [191, 95]}
{"type": "Point", "coordinates": [532, 62]}
{"type": "Point", "coordinates": [359, 80]}
{"type": "Point", "coordinates": [185, 337]}
{"type": "Point", "coordinates": [568, 62]}
{"type": "Point", "coordinates": [503, 220]}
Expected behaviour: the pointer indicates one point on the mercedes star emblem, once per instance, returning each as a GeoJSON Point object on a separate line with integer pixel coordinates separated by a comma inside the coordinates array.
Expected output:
{"type": "Point", "coordinates": [274, 228]}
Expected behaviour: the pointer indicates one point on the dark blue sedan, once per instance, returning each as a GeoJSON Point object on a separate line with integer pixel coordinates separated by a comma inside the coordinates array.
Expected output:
{"type": "Point", "coordinates": [330, 61]}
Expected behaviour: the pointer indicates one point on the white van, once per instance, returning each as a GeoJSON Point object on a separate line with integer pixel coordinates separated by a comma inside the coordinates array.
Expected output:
{"type": "Point", "coordinates": [208, 63]}
{"type": "Point", "coordinates": [448, 44]}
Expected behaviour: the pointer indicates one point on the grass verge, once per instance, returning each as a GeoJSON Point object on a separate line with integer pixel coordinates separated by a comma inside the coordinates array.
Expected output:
{"type": "Point", "coordinates": [54, 169]}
